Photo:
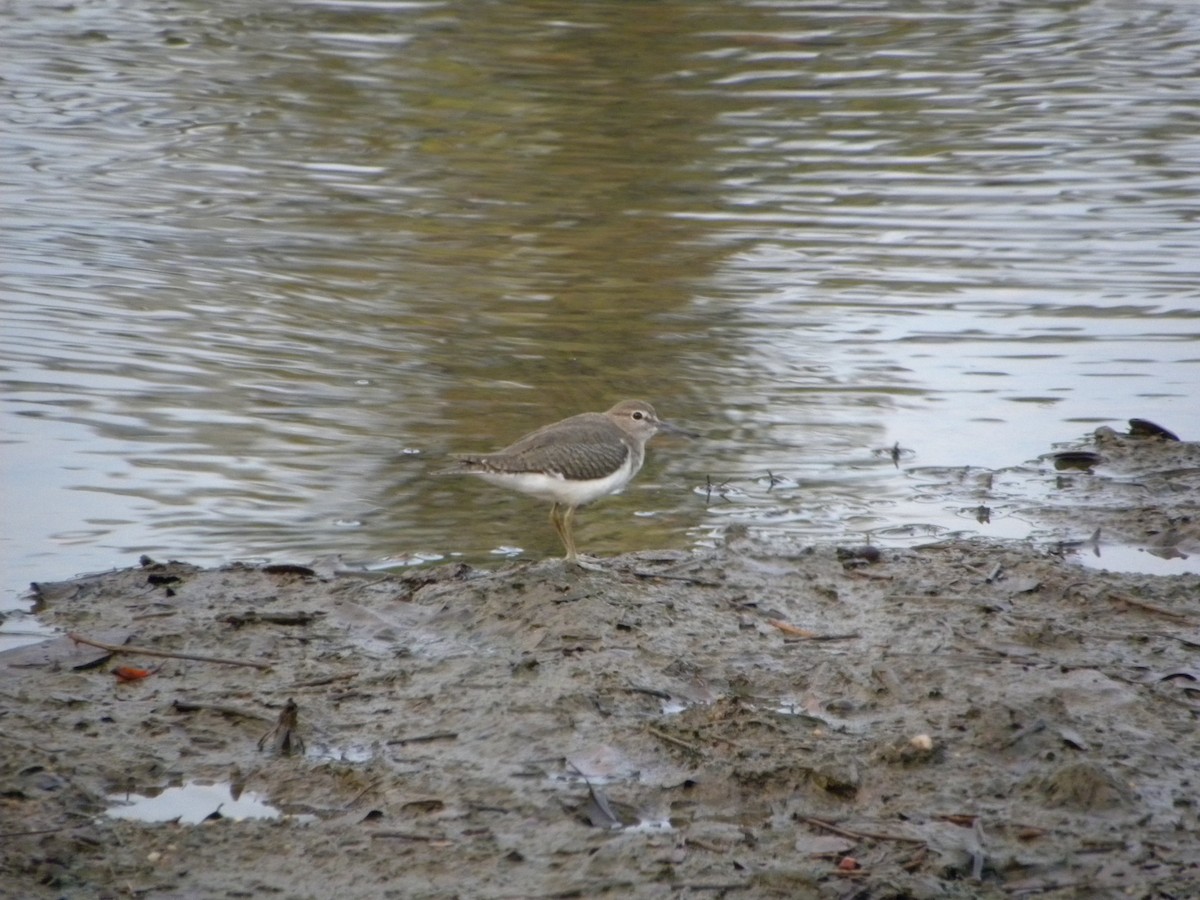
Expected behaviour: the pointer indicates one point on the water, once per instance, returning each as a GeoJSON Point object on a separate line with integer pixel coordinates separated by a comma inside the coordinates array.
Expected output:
{"type": "Point", "coordinates": [192, 804]}
{"type": "Point", "coordinates": [263, 266]}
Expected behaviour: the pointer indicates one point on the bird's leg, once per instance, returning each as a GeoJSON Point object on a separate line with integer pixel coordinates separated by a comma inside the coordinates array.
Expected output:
{"type": "Point", "coordinates": [568, 534]}
{"type": "Point", "coordinates": [560, 518]}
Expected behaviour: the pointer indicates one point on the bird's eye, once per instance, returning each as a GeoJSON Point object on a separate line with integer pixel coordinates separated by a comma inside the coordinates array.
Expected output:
{"type": "Point", "coordinates": [638, 415]}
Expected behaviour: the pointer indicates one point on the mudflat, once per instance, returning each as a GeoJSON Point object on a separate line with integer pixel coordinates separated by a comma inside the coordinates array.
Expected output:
{"type": "Point", "coordinates": [967, 718]}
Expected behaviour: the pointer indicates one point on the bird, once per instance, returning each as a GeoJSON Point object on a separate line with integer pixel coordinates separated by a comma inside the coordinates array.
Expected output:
{"type": "Point", "coordinates": [573, 462]}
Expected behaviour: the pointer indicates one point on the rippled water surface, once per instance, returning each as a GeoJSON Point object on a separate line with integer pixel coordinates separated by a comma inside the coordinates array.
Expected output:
{"type": "Point", "coordinates": [265, 264]}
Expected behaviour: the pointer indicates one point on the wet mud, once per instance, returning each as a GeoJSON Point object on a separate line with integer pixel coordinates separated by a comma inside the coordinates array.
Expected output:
{"type": "Point", "coordinates": [967, 718]}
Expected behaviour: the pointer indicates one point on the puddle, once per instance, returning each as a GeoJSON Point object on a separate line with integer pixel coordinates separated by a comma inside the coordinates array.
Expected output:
{"type": "Point", "coordinates": [822, 722]}
{"type": "Point", "coordinates": [575, 778]}
{"type": "Point", "coordinates": [192, 804]}
{"type": "Point", "coordinates": [653, 826]}
{"type": "Point", "coordinates": [786, 706]}
{"type": "Point", "coordinates": [353, 753]}
{"type": "Point", "coordinates": [20, 629]}
{"type": "Point", "coordinates": [1136, 560]}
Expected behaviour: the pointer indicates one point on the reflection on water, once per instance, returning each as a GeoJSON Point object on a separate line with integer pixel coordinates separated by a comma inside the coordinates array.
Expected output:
{"type": "Point", "coordinates": [264, 265]}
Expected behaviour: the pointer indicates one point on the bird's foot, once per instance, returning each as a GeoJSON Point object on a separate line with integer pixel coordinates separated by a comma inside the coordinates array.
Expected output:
{"type": "Point", "coordinates": [585, 563]}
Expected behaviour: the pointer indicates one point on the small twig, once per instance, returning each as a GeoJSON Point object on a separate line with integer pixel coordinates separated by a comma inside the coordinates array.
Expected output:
{"type": "Point", "coordinates": [860, 835]}
{"type": "Point", "coordinates": [705, 845]}
{"type": "Point", "coordinates": [948, 598]}
{"type": "Point", "coordinates": [187, 706]}
{"type": "Point", "coordinates": [793, 634]}
{"type": "Point", "coordinates": [671, 739]}
{"type": "Point", "coordinates": [870, 576]}
{"type": "Point", "coordinates": [426, 738]}
{"type": "Point", "coordinates": [653, 692]}
{"type": "Point", "coordinates": [327, 679]}
{"type": "Point", "coordinates": [276, 618]}
{"type": "Point", "coordinates": [686, 579]}
{"type": "Point", "coordinates": [792, 630]}
{"type": "Point", "coordinates": [409, 836]}
{"type": "Point", "coordinates": [830, 827]}
{"type": "Point", "coordinates": [1018, 654]}
{"type": "Point", "coordinates": [1029, 888]}
{"type": "Point", "coordinates": [718, 886]}
{"type": "Point", "coordinates": [146, 651]}
{"type": "Point", "coordinates": [1183, 639]}
{"type": "Point", "coordinates": [1149, 607]}
{"type": "Point", "coordinates": [370, 787]}
{"type": "Point", "coordinates": [1036, 728]}
{"type": "Point", "coordinates": [849, 636]}
{"type": "Point", "coordinates": [963, 820]}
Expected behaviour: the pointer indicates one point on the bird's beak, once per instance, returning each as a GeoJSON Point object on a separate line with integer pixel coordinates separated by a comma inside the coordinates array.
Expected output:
{"type": "Point", "coordinates": [668, 428]}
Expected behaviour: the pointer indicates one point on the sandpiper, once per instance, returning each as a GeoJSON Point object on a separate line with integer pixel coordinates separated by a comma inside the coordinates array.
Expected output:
{"type": "Point", "coordinates": [573, 462]}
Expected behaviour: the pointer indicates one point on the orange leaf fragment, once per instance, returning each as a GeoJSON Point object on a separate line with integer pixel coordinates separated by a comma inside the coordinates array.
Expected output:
{"type": "Point", "coordinates": [788, 628]}
{"type": "Point", "coordinates": [129, 673]}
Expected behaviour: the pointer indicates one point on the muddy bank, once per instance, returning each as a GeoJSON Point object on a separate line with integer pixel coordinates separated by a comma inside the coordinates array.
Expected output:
{"type": "Point", "coordinates": [966, 719]}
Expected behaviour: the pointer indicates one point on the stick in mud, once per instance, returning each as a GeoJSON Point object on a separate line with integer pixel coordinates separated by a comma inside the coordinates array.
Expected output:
{"type": "Point", "coordinates": [147, 651]}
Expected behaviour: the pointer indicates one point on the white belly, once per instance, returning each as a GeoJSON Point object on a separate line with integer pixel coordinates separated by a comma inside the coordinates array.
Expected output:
{"type": "Point", "coordinates": [555, 487]}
